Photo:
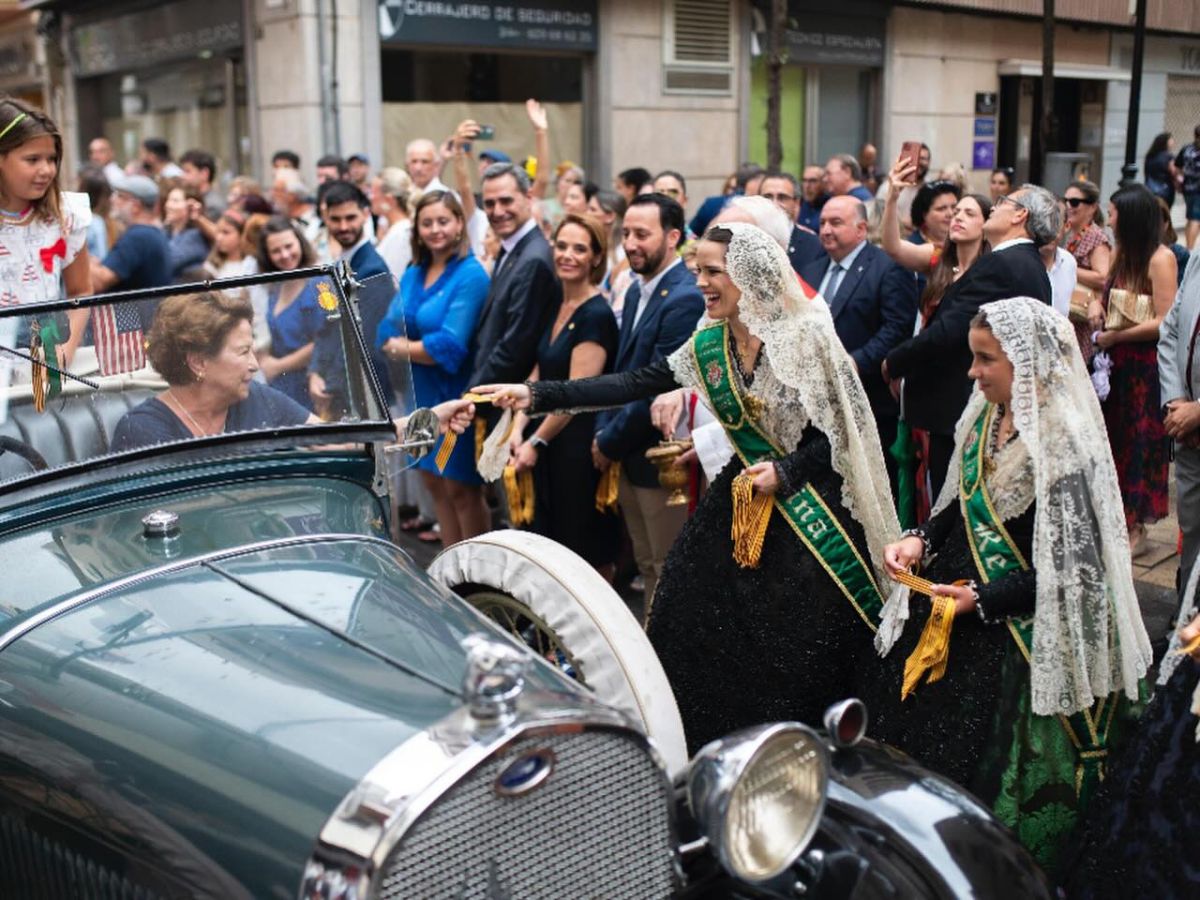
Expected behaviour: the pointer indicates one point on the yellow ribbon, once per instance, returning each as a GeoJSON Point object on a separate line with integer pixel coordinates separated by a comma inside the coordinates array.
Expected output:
{"type": "Point", "coordinates": [933, 650]}
{"type": "Point", "coordinates": [751, 514]}
{"type": "Point", "coordinates": [519, 488]}
{"type": "Point", "coordinates": [607, 489]}
{"type": "Point", "coordinates": [451, 439]}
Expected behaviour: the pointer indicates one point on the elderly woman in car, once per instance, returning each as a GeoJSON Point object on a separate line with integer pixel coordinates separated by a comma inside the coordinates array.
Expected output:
{"type": "Point", "coordinates": [203, 347]}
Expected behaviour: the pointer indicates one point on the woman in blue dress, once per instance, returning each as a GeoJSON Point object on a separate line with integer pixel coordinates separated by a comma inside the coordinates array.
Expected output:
{"type": "Point", "coordinates": [293, 314]}
{"type": "Point", "coordinates": [431, 323]}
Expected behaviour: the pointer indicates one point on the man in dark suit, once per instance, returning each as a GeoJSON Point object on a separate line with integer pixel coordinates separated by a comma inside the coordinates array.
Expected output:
{"type": "Point", "coordinates": [782, 189]}
{"type": "Point", "coordinates": [345, 214]}
{"type": "Point", "coordinates": [934, 364]}
{"type": "Point", "coordinates": [523, 287]}
{"type": "Point", "coordinates": [661, 311]}
{"type": "Point", "coordinates": [873, 302]}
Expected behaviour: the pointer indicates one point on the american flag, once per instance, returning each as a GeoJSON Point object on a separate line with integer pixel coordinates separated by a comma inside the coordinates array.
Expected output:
{"type": "Point", "coordinates": [117, 329]}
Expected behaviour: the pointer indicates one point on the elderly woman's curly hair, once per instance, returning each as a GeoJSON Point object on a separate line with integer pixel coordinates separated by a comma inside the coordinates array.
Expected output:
{"type": "Point", "coordinates": [193, 323]}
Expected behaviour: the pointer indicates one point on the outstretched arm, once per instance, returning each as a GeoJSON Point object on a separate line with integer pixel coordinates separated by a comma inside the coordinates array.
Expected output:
{"type": "Point", "coordinates": [583, 394]}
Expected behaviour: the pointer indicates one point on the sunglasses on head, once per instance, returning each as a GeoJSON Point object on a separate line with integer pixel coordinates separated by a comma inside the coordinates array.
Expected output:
{"type": "Point", "coordinates": [1075, 202]}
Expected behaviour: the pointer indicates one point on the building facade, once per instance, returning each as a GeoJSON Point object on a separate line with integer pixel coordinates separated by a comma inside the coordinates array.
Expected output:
{"type": "Point", "coordinates": [653, 83]}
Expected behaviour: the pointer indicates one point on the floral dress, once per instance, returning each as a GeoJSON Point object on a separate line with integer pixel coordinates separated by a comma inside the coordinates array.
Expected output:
{"type": "Point", "coordinates": [33, 254]}
{"type": "Point", "coordinates": [1080, 245]}
{"type": "Point", "coordinates": [1140, 447]}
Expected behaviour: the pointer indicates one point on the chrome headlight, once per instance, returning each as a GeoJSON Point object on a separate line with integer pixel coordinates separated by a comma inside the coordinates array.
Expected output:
{"type": "Point", "coordinates": [758, 795]}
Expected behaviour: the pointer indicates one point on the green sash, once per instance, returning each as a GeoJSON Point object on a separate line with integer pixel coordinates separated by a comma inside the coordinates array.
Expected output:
{"type": "Point", "coordinates": [996, 555]}
{"type": "Point", "coordinates": [805, 511]}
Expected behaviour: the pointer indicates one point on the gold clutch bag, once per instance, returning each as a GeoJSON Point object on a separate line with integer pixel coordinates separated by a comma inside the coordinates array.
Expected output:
{"type": "Point", "coordinates": [1126, 309]}
{"type": "Point", "coordinates": [1080, 298]}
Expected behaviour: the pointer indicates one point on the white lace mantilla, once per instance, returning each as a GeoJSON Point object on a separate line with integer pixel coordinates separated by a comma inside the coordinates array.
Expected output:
{"type": "Point", "coordinates": [1088, 636]}
{"type": "Point", "coordinates": [806, 375]}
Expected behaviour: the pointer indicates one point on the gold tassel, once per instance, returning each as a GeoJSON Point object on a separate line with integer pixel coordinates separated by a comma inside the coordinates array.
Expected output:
{"type": "Point", "coordinates": [751, 513]}
{"type": "Point", "coordinates": [607, 489]}
{"type": "Point", "coordinates": [480, 436]}
{"type": "Point", "coordinates": [933, 650]}
{"type": "Point", "coordinates": [519, 488]}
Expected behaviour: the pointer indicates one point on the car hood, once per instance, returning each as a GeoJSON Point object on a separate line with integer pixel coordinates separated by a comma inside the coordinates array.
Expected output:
{"type": "Point", "coordinates": [254, 686]}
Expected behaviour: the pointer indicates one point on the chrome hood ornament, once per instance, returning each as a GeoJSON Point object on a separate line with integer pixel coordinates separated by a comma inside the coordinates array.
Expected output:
{"type": "Point", "coordinates": [494, 679]}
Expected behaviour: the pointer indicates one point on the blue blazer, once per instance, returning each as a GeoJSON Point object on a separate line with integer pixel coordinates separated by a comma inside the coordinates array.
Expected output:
{"type": "Point", "coordinates": [803, 249]}
{"type": "Point", "coordinates": [873, 313]}
{"type": "Point", "coordinates": [373, 304]}
{"type": "Point", "coordinates": [670, 317]}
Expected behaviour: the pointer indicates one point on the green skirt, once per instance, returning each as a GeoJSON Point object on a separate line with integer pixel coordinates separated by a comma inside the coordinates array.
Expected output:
{"type": "Point", "coordinates": [1042, 771]}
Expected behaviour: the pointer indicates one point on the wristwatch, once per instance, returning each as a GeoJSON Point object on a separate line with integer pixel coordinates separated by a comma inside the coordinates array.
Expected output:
{"type": "Point", "coordinates": [538, 442]}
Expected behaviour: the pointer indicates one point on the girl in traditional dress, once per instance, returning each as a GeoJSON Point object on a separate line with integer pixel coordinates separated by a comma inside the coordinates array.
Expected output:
{"type": "Point", "coordinates": [771, 634]}
{"type": "Point", "coordinates": [1047, 647]}
{"type": "Point", "coordinates": [1144, 828]}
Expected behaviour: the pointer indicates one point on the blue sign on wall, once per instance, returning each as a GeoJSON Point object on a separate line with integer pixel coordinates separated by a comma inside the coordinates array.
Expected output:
{"type": "Point", "coordinates": [983, 156]}
{"type": "Point", "coordinates": [985, 128]}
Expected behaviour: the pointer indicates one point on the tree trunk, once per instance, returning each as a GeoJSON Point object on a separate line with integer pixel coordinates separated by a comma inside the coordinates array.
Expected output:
{"type": "Point", "coordinates": [775, 60]}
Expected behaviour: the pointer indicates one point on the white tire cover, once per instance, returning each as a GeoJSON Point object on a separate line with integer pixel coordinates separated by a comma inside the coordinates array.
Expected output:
{"type": "Point", "coordinates": [607, 643]}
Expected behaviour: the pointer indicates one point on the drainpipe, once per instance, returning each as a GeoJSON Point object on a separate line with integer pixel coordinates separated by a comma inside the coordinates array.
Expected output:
{"type": "Point", "coordinates": [1130, 169]}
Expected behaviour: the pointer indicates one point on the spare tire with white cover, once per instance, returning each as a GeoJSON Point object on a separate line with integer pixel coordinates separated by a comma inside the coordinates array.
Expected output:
{"type": "Point", "coordinates": [565, 611]}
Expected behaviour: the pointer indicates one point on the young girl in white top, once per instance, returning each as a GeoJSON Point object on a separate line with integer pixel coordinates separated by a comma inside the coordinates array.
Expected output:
{"type": "Point", "coordinates": [43, 231]}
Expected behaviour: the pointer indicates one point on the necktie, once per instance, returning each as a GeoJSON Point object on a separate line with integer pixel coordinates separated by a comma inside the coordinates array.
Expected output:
{"type": "Point", "coordinates": [835, 281]}
{"type": "Point", "coordinates": [500, 257]}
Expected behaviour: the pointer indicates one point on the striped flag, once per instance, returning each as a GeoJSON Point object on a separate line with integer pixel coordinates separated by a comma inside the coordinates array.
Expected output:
{"type": "Point", "coordinates": [117, 329]}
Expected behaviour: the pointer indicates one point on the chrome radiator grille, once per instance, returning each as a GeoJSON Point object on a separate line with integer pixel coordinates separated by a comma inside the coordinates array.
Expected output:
{"type": "Point", "coordinates": [598, 827]}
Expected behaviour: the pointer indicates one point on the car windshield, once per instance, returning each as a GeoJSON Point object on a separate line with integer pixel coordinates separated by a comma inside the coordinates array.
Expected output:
{"type": "Point", "coordinates": [274, 355]}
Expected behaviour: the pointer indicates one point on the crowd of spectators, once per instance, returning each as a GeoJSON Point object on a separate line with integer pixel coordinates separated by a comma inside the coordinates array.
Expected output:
{"type": "Point", "coordinates": [507, 271]}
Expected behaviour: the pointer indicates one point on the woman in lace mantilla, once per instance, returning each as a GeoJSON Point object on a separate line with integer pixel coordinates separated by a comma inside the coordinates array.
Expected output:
{"type": "Point", "coordinates": [782, 640]}
{"type": "Point", "coordinates": [1047, 647]}
{"type": "Point", "coordinates": [1144, 828]}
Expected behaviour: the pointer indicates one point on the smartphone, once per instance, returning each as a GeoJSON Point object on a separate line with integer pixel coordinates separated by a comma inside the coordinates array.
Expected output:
{"type": "Point", "coordinates": [910, 151]}
{"type": "Point", "coordinates": [486, 133]}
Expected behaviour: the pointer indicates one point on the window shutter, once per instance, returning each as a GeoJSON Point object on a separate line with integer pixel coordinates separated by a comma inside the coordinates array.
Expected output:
{"type": "Point", "coordinates": [699, 47]}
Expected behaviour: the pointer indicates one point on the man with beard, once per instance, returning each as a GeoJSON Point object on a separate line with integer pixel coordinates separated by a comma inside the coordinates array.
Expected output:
{"type": "Point", "coordinates": [661, 310]}
{"type": "Point", "coordinates": [524, 291]}
{"type": "Point", "coordinates": [345, 212]}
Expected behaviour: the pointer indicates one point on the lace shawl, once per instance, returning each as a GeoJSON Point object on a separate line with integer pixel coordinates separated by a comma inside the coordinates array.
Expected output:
{"type": "Point", "coordinates": [808, 375]}
{"type": "Point", "coordinates": [1187, 612]}
{"type": "Point", "coordinates": [1088, 636]}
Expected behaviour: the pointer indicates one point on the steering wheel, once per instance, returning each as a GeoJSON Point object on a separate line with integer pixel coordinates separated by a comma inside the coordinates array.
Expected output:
{"type": "Point", "coordinates": [25, 451]}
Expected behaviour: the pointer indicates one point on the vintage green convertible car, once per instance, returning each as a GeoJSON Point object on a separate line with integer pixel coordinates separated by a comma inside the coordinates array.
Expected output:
{"type": "Point", "coordinates": [218, 678]}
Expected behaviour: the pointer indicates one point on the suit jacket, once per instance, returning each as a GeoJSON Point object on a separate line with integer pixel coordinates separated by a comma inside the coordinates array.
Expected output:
{"type": "Point", "coordinates": [669, 318]}
{"type": "Point", "coordinates": [522, 295]}
{"type": "Point", "coordinates": [1175, 339]}
{"type": "Point", "coordinates": [327, 359]}
{"type": "Point", "coordinates": [934, 364]}
{"type": "Point", "coordinates": [803, 248]}
{"type": "Point", "coordinates": [873, 312]}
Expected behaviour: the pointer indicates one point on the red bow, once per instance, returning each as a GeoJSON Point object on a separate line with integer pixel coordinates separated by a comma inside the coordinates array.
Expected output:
{"type": "Point", "coordinates": [58, 248]}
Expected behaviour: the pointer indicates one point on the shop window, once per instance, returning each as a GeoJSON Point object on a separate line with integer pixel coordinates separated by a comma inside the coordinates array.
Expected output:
{"type": "Point", "coordinates": [698, 47]}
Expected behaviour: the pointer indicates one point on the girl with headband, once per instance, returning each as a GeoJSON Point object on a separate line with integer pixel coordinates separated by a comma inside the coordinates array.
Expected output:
{"type": "Point", "coordinates": [43, 231]}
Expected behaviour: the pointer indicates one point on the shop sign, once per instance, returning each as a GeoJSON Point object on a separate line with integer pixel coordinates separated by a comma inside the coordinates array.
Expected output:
{"type": "Point", "coordinates": [550, 25]}
{"type": "Point", "coordinates": [835, 40]}
{"type": "Point", "coordinates": [985, 127]}
{"type": "Point", "coordinates": [159, 34]}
